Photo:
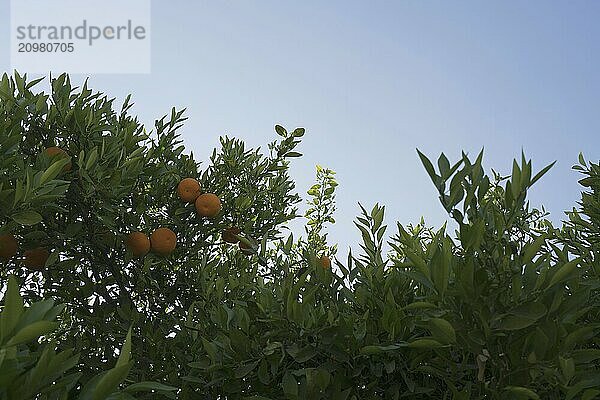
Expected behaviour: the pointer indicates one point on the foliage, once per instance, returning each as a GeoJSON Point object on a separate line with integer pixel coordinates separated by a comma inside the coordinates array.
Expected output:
{"type": "Point", "coordinates": [515, 303]}
{"type": "Point", "coordinates": [504, 307]}
{"type": "Point", "coordinates": [30, 370]}
{"type": "Point", "coordinates": [321, 209]}
{"type": "Point", "coordinates": [123, 179]}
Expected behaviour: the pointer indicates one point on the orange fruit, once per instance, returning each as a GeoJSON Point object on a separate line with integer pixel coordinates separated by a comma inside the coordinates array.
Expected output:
{"type": "Point", "coordinates": [208, 205]}
{"type": "Point", "coordinates": [35, 259]}
{"type": "Point", "coordinates": [325, 262]}
{"type": "Point", "coordinates": [8, 246]}
{"type": "Point", "coordinates": [138, 244]}
{"type": "Point", "coordinates": [228, 234]}
{"type": "Point", "coordinates": [188, 190]}
{"type": "Point", "coordinates": [163, 241]}
{"type": "Point", "coordinates": [57, 151]}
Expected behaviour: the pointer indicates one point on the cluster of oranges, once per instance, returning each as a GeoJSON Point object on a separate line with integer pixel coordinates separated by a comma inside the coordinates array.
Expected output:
{"type": "Point", "coordinates": [34, 259]}
{"type": "Point", "coordinates": [163, 240]}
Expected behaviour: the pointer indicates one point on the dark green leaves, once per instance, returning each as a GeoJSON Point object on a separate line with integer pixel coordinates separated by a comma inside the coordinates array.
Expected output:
{"type": "Point", "coordinates": [522, 392]}
{"type": "Point", "coordinates": [31, 332]}
{"type": "Point", "coordinates": [12, 311]}
{"type": "Point", "coordinates": [563, 272]}
{"type": "Point", "coordinates": [53, 170]}
{"type": "Point", "coordinates": [280, 131]}
{"type": "Point", "coordinates": [543, 172]}
{"type": "Point", "coordinates": [149, 386]}
{"type": "Point", "coordinates": [245, 369]}
{"type": "Point", "coordinates": [27, 218]}
{"type": "Point", "coordinates": [499, 305]}
{"type": "Point", "coordinates": [523, 316]}
{"type": "Point", "coordinates": [290, 386]}
{"type": "Point", "coordinates": [429, 168]}
{"type": "Point", "coordinates": [442, 330]}
{"type": "Point", "coordinates": [424, 344]}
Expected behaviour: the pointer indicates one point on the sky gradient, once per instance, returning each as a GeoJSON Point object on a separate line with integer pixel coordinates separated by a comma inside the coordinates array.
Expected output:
{"type": "Point", "coordinates": [371, 82]}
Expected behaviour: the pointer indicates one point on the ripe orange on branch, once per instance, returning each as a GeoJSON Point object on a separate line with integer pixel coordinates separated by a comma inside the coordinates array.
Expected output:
{"type": "Point", "coordinates": [138, 243]}
{"type": "Point", "coordinates": [208, 205]}
{"type": "Point", "coordinates": [35, 259]}
{"type": "Point", "coordinates": [325, 262]}
{"type": "Point", "coordinates": [58, 152]}
{"type": "Point", "coordinates": [188, 190]}
{"type": "Point", "coordinates": [8, 246]}
{"type": "Point", "coordinates": [163, 241]}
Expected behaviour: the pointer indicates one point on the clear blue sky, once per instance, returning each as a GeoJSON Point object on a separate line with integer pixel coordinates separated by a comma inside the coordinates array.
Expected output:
{"type": "Point", "coordinates": [372, 81]}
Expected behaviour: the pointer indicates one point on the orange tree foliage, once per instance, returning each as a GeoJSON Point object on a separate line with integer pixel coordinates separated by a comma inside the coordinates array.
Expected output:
{"type": "Point", "coordinates": [504, 307]}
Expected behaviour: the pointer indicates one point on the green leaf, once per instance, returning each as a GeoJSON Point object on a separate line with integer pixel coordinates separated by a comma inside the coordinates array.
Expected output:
{"type": "Point", "coordinates": [32, 332]}
{"type": "Point", "coordinates": [280, 131]}
{"type": "Point", "coordinates": [578, 336]}
{"type": "Point", "coordinates": [298, 132]}
{"type": "Point", "coordinates": [429, 168]}
{"type": "Point", "coordinates": [110, 381]}
{"type": "Point", "coordinates": [532, 249]}
{"type": "Point", "coordinates": [425, 344]}
{"type": "Point", "coordinates": [444, 165]}
{"type": "Point", "coordinates": [13, 308]}
{"type": "Point", "coordinates": [514, 323]}
{"type": "Point", "coordinates": [27, 218]}
{"type": "Point", "coordinates": [440, 269]}
{"type": "Point", "coordinates": [149, 386]}
{"type": "Point", "coordinates": [418, 262]}
{"type": "Point", "coordinates": [515, 180]}
{"type": "Point", "coordinates": [567, 366]}
{"type": "Point", "coordinates": [19, 192]}
{"type": "Point", "coordinates": [211, 349]}
{"type": "Point", "coordinates": [53, 170]}
{"type": "Point", "coordinates": [541, 173]}
{"type": "Point", "coordinates": [322, 377]}
{"type": "Point", "coordinates": [263, 372]}
{"type": "Point", "coordinates": [563, 272]}
{"type": "Point", "coordinates": [125, 354]}
{"type": "Point", "coordinates": [419, 305]}
{"type": "Point", "coordinates": [590, 394]}
{"type": "Point", "coordinates": [533, 310]}
{"type": "Point", "coordinates": [586, 355]}
{"type": "Point", "coordinates": [304, 354]}
{"type": "Point", "coordinates": [370, 350]}
{"type": "Point", "coordinates": [442, 330]}
{"type": "Point", "coordinates": [245, 369]}
{"type": "Point", "coordinates": [523, 392]}
{"type": "Point", "coordinates": [290, 386]}
{"type": "Point", "coordinates": [93, 157]}
{"type": "Point", "coordinates": [36, 312]}
{"type": "Point", "coordinates": [34, 82]}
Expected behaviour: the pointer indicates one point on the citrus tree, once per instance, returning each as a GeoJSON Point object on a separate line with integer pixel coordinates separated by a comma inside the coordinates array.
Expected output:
{"type": "Point", "coordinates": [132, 234]}
{"type": "Point", "coordinates": [514, 310]}
{"type": "Point", "coordinates": [83, 187]}
{"type": "Point", "coordinates": [499, 309]}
